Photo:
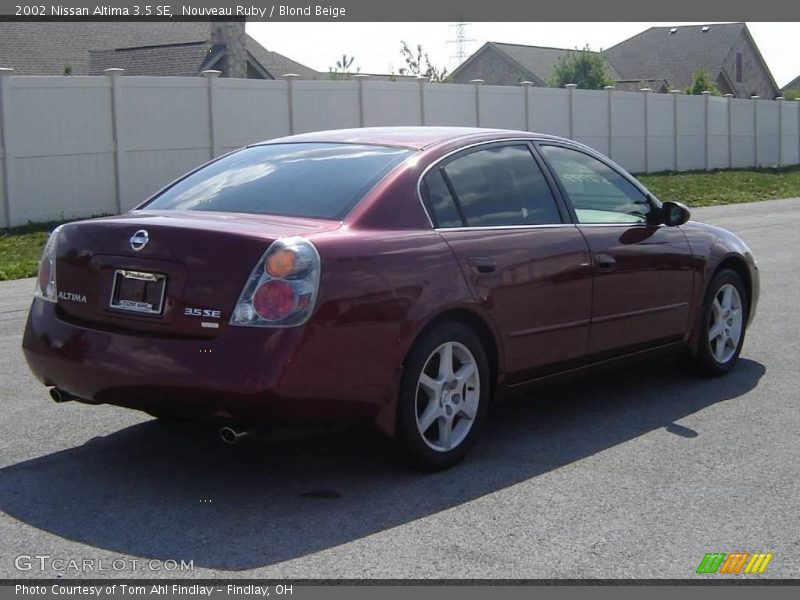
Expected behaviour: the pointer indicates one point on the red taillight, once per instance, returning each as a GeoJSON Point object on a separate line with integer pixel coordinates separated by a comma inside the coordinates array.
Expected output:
{"type": "Point", "coordinates": [274, 300]}
{"type": "Point", "coordinates": [282, 288]}
{"type": "Point", "coordinates": [46, 281]}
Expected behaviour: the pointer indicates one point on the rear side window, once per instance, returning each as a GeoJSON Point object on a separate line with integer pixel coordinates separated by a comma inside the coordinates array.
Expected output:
{"type": "Point", "coordinates": [322, 181]}
{"type": "Point", "coordinates": [440, 201]}
{"type": "Point", "coordinates": [502, 185]}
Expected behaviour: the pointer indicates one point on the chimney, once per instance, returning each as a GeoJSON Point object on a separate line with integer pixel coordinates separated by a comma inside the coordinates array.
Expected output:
{"type": "Point", "coordinates": [230, 35]}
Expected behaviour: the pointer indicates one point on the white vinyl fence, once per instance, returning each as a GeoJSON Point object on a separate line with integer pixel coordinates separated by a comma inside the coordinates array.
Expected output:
{"type": "Point", "coordinates": [82, 146]}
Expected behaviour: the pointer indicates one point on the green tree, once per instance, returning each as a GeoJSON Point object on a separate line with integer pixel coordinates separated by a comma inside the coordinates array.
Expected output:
{"type": "Point", "coordinates": [418, 63]}
{"type": "Point", "coordinates": [584, 68]}
{"type": "Point", "coordinates": [701, 82]}
{"type": "Point", "coordinates": [343, 68]}
{"type": "Point", "coordinates": [791, 94]}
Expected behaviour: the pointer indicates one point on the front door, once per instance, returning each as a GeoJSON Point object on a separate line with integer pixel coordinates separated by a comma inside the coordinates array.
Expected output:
{"type": "Point", "coordinates": [641, 268]}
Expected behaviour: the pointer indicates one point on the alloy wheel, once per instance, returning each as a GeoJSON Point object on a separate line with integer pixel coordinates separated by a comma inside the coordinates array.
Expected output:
{"type": "Point", "coordinates": [448, 396]}
{"type": "Point", "coordinates": [725, 323]}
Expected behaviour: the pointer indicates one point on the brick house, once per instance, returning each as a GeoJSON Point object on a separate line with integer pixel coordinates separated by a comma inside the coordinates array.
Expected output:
{"type": "Point", "coordinates": [497, 63]}
{"type": "Point", "coordinates": [661, 58]}
{"type": "Point", "coordinates": [726, 51]}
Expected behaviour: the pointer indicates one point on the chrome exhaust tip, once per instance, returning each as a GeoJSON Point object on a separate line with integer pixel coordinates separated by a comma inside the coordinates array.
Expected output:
{"type": "Point", "coordinates": [231, 435]}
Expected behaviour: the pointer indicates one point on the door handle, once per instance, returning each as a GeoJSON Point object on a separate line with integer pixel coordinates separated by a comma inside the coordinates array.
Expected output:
{"type": "Point", "coordinates": [482, 264]}
{"type": "Point", "coordinates": [604, 262]}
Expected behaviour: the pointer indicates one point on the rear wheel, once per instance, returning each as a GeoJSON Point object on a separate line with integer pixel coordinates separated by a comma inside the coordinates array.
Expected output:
{"type": "Point", "coordinates": [722, 325]}
{"type": "Point", "coordinates": [443, 396]}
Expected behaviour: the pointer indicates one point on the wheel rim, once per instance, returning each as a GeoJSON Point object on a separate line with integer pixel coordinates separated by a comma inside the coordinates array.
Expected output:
{"type": "Point", "coordinates": [725, 323]}
{"type": "Point", "coordinates": [448, 395]}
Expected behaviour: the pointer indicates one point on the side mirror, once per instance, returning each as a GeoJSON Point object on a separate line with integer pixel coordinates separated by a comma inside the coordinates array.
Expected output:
{"type": "Point", "coordinates": [674, 213]}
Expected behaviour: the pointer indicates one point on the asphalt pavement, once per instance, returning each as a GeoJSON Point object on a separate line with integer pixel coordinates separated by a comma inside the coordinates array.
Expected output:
{"type": "Point", "coordinates": [631, 474]}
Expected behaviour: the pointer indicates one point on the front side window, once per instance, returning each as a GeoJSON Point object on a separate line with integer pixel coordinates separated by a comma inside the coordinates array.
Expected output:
{"type": "Point", "coordinates": [323, 181]}
{"type": "Point", "coordinates": [500, 186]}
{"type": "Point", "coordinates": [598, 193]}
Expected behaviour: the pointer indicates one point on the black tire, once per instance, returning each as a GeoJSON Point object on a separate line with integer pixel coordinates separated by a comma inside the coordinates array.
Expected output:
{"type": "Point", "coordinates": [408, 432]}
{"type": "Point", "coordinates": [704, 361]}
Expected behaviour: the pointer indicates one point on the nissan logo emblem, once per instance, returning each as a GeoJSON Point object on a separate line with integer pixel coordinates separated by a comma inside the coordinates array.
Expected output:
{"type": "Point", "coordinates": [139, 239]}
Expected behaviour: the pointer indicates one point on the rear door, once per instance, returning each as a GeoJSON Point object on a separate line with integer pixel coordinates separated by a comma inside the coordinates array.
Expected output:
{"type": "Point", "coordinates": [524, 262]}
{"type": "Point", "coordinates": [641, 268]}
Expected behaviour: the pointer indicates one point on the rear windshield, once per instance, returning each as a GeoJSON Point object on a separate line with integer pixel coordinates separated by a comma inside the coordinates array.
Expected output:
{"type": "Point", "coordinates": [323, 181]}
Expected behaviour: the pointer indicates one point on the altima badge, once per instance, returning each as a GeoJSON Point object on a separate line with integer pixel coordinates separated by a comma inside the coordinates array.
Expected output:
{"type": "Point", "coordinates": [72, 297]}
{"type": "Point", "coordinates": [139, 239]}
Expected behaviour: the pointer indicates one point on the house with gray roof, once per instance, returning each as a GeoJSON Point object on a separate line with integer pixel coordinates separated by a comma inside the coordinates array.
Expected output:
{"type": "Point", "coordinates": [176, 48]}
{"type": "Point", "coordinates": [497, 63]}
{"type": "Point", "coordinates": [660, 58]}
{"type": "Point", "coordinates": [726, 51]}
{"type": "Point", "coordinates": [792, 86]}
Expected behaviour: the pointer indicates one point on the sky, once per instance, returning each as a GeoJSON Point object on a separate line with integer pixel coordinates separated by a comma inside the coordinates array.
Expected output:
{"type": "Point", "coordinates": [376, 46]}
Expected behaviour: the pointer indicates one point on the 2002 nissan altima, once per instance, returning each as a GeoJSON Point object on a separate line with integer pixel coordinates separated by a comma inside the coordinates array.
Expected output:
{"type": "Point", "coordinates": [397, 276]}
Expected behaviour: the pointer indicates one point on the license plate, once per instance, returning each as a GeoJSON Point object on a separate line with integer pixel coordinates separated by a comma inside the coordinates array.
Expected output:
{"type": "Point", "coordinates": [139, 292]}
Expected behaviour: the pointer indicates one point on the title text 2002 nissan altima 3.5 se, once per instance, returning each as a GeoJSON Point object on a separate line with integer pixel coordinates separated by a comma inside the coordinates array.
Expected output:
{"type": "Point", "coordinates": [397, 276]}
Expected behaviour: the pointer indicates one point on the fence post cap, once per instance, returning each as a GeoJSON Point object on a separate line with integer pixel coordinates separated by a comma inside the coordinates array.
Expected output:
{"type": "Point", "coordinates": [211, 73]}
{"type": "Point", "coordinates": [645, 90]}
{"type": "Point", "coordinates": [780, 98]}
{"type": "Point", "coordinates": [6, 71]}
{"type": "Point", "coordinates": [526, 83]}
{"type": "Point", "coordinates": [291, 75]}
{"type": "Point", "coordinates": [571, 86]}
{"type": "Point", "coordinates": [675, 92]}
{"type": "Point", "coordinates": [113, 72]}
{"type": "Point", "coordinates": [729, 95]}
{"type": "Point", "coordinates": [609, 87]}
{"type": "Point", "coordinates": [706, 93]}
{"type": "Point", "coordinates": [360, 76]}
{"type": "Point", "coordinates": [477, 81]}
{"type": "Point", "coordinates": [754, 97]}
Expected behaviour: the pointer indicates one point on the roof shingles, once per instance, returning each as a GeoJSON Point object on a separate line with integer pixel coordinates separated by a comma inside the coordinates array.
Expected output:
{"type": "Point", "coordinates": [140, 47]}
{"type": "Point", "coordinates": [184, 60]}
{"type": "Point", "coordinates": [794, 84]}
{"type": "Point", "coordinates": [657, 53]}
{"type": "Point", "coordinates": [540, 60]}
{"type": "Point", "coordinates": [660, 58]}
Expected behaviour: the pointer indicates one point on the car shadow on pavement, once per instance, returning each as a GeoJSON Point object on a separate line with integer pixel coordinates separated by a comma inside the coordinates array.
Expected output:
{"type": "Point", "coordinates": [174, 491]}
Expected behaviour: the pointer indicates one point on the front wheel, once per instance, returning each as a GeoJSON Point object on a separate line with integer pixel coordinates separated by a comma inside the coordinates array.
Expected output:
{"type": "Point", "coordinates": [443, 396]}
{"type": "Point", "coordinates": [722, 326]}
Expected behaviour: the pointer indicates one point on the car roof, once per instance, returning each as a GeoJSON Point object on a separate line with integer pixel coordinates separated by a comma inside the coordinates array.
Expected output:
{"type": "Point", "coordinates": [416, 138]}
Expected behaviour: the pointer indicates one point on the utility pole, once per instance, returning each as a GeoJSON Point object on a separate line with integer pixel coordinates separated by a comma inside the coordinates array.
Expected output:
{"type": "Point", "coordinates": [461, 42]}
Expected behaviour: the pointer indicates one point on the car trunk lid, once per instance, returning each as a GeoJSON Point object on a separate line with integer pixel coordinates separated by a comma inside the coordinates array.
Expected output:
{"type": "Point", "coordinates": [184, 279]}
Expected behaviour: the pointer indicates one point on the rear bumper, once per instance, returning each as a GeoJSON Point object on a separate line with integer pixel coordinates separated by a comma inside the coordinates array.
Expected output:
{"type": "Point", "coordinates": [246, 374]}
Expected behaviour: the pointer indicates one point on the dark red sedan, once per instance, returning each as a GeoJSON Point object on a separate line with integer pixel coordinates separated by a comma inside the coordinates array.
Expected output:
{"type": "Point", "coordinates": [397, 276]}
